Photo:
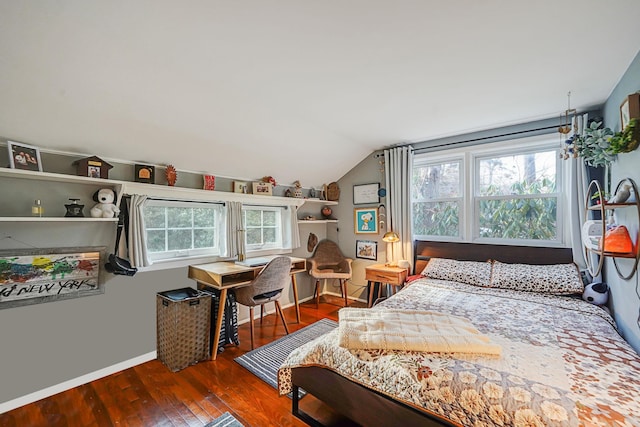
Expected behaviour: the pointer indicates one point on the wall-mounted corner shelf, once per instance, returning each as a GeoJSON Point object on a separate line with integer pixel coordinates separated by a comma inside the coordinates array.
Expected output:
{"type": "Point", "coordinates": [603, 206]}
{"type": "Point", "coordinates": [321, 202]}
{"type": "Point", "coordinates": [317, 221]}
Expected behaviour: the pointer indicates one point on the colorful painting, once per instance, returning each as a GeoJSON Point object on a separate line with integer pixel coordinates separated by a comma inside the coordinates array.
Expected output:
{"type": "Point", "coordinates": [35, 276]}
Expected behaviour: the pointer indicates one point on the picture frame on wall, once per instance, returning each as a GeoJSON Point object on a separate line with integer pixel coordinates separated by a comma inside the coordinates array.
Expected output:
{"type": "Point", "coordinates": [629, 109]}
{"type": "Point", "coordinates": [23, 156]}
{"type": "Point", "coordinates": [366, 194]}
{"type": "Point", "coordinates": [365, 220]}
{"type": "Point", "coordinates": [367, 249]}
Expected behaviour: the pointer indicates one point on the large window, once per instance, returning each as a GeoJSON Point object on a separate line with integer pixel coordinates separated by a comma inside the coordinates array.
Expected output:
{"type": "Point", "coordinates": [183, 229]}
{"type": "Point", "coordinates": [263, 227]}
{"type": "Point", "coordinates": [503, 192]}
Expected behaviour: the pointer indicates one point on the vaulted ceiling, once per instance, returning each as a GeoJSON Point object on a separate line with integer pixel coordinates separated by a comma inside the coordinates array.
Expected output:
{"type": "Point", "coordinates": [292, 88]}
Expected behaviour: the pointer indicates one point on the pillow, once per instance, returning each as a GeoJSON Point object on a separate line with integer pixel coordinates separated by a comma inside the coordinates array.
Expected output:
{"type": "Point", "coordinates": [558, 279]}
{"type": "Point", "coordinates": [470, 272]}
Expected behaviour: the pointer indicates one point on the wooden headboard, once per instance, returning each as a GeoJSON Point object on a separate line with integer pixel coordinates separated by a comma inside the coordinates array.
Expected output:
{"type": "Point", "coordinates": [423, 250]}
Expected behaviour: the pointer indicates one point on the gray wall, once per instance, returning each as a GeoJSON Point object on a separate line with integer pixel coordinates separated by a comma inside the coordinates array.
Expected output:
{"type": "Point", "coordinates": [625, 294]}
{"type": "Point", "coordinates": [368, 171]}
{"type": "Point", "coordinates": [50, 343]}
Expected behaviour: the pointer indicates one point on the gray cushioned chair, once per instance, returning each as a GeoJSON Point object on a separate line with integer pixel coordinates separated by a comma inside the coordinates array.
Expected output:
{"type": "Point", "coordinates": [266, 287]}
{"type": "Point", "coordinates": [328, 262]}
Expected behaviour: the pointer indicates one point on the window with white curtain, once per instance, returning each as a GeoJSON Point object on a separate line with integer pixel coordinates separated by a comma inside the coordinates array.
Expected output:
{"type": "Point", "coordinates": [508, 192]}
{"type": "Point", "coordinates": [264, 227]}
{"type": "Point", "coordinates": [184, 229]}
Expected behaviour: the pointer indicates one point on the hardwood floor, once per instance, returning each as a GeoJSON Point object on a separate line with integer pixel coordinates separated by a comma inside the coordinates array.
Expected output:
{"type": "Point", "coordinates": [151, 395]}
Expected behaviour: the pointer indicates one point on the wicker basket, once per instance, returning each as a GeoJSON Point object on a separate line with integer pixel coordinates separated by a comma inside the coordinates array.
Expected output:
{"type": "Point", "coordinates": [183, 324]}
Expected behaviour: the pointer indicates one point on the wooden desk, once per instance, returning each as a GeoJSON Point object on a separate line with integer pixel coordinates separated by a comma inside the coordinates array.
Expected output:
{"type": "Point", "coordinates": [228, 275]}
{"type": "Point", "coordinates": [379, 274]}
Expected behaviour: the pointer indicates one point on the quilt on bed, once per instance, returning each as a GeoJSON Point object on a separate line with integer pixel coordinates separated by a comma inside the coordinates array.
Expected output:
{"type": "Point", "coordinates": [563, 362]}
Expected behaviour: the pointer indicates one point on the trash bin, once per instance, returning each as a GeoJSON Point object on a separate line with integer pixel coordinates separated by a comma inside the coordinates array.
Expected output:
{"type": "Point", "coordinates": [183, 325]}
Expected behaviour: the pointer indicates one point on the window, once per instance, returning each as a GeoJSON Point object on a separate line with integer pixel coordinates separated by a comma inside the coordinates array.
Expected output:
{"type": "Point", "coordinates": [183, 229]}
{"type": "Point", "coordinates": [263, 227]}
{"type": "Point", "coordinates": [437, 198]}
{"type": "Point", "coordinates": [507, 192]}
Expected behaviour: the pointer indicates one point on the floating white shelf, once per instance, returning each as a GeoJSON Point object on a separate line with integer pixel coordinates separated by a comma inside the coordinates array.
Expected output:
{"type": "Point", "coordinates": [53, 219]}
{"type": "Point", "coordinates": [317, 221]}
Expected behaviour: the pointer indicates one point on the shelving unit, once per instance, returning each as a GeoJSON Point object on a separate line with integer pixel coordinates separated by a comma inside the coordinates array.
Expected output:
{"type": "Point", "coordinates": [44, 178]}
{"type": "Point", "coordinates": [606, 208]}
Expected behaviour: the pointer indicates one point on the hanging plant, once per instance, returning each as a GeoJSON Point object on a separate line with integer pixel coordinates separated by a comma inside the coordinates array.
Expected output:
{"type": "Point", "coordinates": [594, 145]}
{"type": "Point", "coordinates": [627, 140]}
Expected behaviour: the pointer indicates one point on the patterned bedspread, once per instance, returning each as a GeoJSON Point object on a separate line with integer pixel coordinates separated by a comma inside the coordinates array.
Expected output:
{"type": "Point", "coordinates": [563, 362]}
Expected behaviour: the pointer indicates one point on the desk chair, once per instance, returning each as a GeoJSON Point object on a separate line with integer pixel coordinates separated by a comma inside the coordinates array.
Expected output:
{"type": "Point", "coordinates": [266, 287]}
{"type": "Point", "coordinates": [328, 262]}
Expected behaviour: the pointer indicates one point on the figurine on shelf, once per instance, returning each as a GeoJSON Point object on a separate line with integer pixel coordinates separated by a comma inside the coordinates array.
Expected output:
{"type": "Point", "coordinates": [622, 194]}
{"type": "Point", "coordinates": [297, 191]}
{"type": "Point", "coordinates": [171, 175]}
{"type": "Point", "coordinates": [74, 209]}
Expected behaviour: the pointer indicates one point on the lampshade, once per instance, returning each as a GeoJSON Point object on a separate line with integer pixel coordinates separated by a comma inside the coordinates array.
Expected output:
{"type": "Point", "coordinates": [391, 237]}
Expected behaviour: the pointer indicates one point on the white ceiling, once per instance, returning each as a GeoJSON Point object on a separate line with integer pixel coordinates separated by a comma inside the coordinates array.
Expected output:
{"type": "Point", "coordinates": [292, 88]}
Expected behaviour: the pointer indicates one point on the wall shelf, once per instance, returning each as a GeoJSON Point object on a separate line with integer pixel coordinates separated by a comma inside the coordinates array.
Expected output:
{"type": "Point", "coordinates": [321, 202]}
{"type": "Point", "coordinates": [317, 221]}
{"type": "Point", "coordinates": [603, 207]}
{"type": "Point", "coordinates": [54, 219]}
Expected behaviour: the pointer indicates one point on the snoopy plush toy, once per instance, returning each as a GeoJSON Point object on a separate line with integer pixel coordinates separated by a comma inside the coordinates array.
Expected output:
{"type": "Point", "coordinates": [105, 207]}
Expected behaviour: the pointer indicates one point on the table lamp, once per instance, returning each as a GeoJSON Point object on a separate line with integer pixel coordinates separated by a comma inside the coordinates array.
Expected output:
{"type": "Point", "coordinates": [390, 237]}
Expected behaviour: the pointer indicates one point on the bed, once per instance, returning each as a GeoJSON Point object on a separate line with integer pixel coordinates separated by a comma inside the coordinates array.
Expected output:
{"type": "Point", "coordinates": [562, 362]}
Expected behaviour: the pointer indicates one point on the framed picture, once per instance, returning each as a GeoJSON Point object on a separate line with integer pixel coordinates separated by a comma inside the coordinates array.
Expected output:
{"type": "Point", "coordinates": [262, 188]}
{"type": "Point", "coordinates": [145, 173]}
{"type": "Point", "coordinates": [367, 249]}
{"type": "Point", "coordinates": [365, 220]}
{"type": "Point", "coordinates": [629, 109]}
{"type": "Point", "coordinates": [365, 194]}
{"type": "Point", "coordinates": [239, 187]}
{"type": "Point", "coordinates": [23, 156]}
{"type": "Point", "coordinates": [44, 275]}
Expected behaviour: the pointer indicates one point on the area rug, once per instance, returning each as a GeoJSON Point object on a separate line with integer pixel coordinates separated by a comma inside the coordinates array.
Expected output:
{"type": "Point", "coordinates": [225, 420]}
{"type": "Point", "coordinates": [265, 361]}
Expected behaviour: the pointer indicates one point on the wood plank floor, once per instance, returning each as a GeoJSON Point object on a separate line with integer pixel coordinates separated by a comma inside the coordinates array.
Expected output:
{"type": "Point", "coordinates": [151, 395]}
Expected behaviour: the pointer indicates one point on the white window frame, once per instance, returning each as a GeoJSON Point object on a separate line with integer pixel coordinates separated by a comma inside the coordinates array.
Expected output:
{"type": "Point", "coordinates": [219, 226]}
{"type": "Point", "coordinates": [471, 156]}
{"type": "Point", "coordinates": [278, 245]}
{"type": "Point", "coordinates": [438, 160]}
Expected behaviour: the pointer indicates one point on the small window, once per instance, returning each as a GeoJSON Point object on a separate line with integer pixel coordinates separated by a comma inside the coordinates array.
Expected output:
{"type": "Point", "coordinates": [263, 228]}
{"type": "Point", "coordinates": [183, 229]}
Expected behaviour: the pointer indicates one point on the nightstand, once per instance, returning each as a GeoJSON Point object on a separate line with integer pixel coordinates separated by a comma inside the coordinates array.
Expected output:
{"type": "Point", "coordinates": [379, 274]}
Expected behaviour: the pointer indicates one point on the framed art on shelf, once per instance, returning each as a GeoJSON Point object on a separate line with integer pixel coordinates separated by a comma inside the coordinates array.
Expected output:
{"type": "Point", "coordinates": [262, 188]}
{"type": "Point", "coordinates": [365, 220]}
{"type": "Point", "coordinates": [23, 156]}
{"type": "Point", "coordinates": [145, 173]}
{"type": "Point", "coordinates": [367, 249]}
{"type": "Point", "coordinates": [239, 187]}
{"type": "Point", "coordinates": [366, 194]}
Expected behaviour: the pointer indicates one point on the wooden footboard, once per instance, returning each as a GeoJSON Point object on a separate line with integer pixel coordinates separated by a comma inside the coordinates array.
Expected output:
{"type": "Point", "coordinates": [360, 404]}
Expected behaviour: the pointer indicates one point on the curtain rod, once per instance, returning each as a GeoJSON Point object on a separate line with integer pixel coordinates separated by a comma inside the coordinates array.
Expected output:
{"type": "Point", "coordinates": [163, 199]}
{"type": "Point", "coordinates": [268, 206]}
{"type": "Point", "coordinates": [466, 141]}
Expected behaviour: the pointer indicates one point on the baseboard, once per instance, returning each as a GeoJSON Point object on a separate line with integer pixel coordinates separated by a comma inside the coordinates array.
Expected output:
{"type": "Point", "coordinates": [75, 382]}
